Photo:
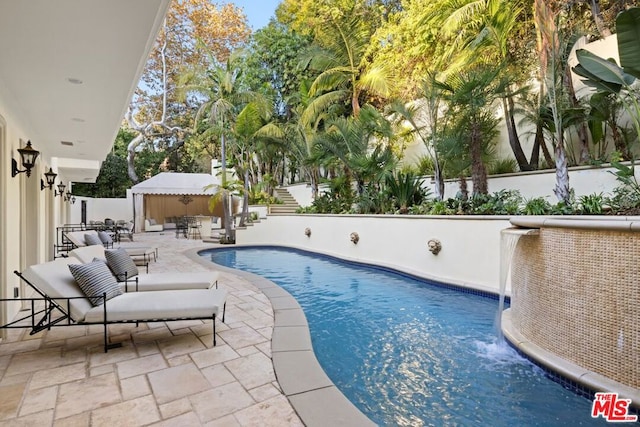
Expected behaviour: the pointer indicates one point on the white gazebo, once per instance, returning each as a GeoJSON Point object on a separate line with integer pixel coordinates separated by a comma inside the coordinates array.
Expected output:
{"type": "Point", "coordinates": [169, 195]}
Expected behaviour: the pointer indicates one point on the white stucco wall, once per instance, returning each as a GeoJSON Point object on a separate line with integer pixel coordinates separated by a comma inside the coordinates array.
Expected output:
{"type": "Point", "coordinates": [99, 209]}
{"type": "Point", "coordinates": [24, 230]}
{"type": "Point", "coordinates": [583, 180]}
{"type": "Point", "coordinates": [470, 253]}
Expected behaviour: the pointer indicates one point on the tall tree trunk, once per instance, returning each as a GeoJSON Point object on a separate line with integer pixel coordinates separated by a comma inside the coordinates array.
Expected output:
{"type": "Point", "coordinates": [131, 155]}
{"type": "Point", "coordinates": [227, 206]}
{"type": "Point", "coordinates": [562, 189]}
{"type": "Point", "coordinates": [534, 160]}
{"type": "Point", "coordinates": [478, 169]}
{"type": "Point", "coordinates": [314, 178]}
{"type": "Point", "coordinates": [245, 200]}
{"type": "Point", "coordinates": [514, 140]}
{"type": "Point", "coordinates": [438, 179]}
{"type": "Point", "coordinates": [598, 19]}
{"type": "Point", "coordinates": [464, 191]}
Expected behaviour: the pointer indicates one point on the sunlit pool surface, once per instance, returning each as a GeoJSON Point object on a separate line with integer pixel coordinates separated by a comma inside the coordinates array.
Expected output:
{"type": "Point", "coordinates": [409, 353]}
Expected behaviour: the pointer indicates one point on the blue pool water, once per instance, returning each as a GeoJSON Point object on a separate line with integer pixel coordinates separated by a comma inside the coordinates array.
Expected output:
{"type": "Point", "coordinates": [409, 353]}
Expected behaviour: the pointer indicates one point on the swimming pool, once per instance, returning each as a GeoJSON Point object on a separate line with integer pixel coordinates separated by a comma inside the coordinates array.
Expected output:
{"type": "Point", "coordinates": [406, 352]}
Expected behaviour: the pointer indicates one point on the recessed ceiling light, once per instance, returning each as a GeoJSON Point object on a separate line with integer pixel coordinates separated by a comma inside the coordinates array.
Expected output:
{"type": "Point", "coordinates": [77, 119]}
{"type": "Point", "coordinates": [67, 143]}
{"type": "Point", "coordinates": [74, 80]}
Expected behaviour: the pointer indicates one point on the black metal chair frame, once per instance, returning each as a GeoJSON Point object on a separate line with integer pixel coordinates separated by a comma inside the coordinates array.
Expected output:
{"type": "Point", "coordinates": [42, 319]}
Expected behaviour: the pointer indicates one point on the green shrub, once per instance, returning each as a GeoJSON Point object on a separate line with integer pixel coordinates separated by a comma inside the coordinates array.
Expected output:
{"type": "Point", "coordinates": [592, 204]}
{"type": "Point", "coordinates": [501, 166]}
{"type": "Point", "coordinates": [537, 206]}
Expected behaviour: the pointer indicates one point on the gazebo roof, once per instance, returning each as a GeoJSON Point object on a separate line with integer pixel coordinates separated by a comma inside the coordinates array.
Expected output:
{"type": "Point", "coordinates": [177, 183]}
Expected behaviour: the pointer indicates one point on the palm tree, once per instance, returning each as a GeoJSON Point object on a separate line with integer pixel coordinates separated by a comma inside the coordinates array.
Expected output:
{"type": "Point", "coordinates": [224, 98]}
{"type": "Point", "coordinates": [343, 72]}
{"type": "Point", "coordinates": [552, 65]}
{"type": "Point", "coordinates": [484, 29]}
{"type": "Point", "coordinates": [469, 95]}
{"type": "Point", "coordinates": [431, 131]}
{"type": "Point", "coordinates": [361, 144]}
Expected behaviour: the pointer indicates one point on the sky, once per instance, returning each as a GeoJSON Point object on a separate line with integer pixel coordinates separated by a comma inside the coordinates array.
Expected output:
{"type": "Point", "coordinates": [258, 12]}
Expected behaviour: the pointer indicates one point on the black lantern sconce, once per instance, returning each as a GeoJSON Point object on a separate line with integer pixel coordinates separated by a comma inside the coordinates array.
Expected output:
{"type": "Point", "coordinates": [60, 191]}
{"type": "Point", "coordinates": [28, 158]}
{"type": "Point", "coordinates": [69, 197]}
{"type": "Point", "coordinates": [51, 179]}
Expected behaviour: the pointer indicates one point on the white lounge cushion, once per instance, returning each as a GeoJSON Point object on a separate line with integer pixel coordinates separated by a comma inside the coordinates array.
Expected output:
{"type": "Point", "coordinates": [190, 303]}
{"type": "Point", "coordinates": [77, 237]}
{"type": "Point", "coordinates": [171, 281]}
{"type": "Point", "coordinates": [95, 279]}
{"type": "Point", "coordinates": [56, 281]}
{"type": "Point", "coordinates": [88, 253]}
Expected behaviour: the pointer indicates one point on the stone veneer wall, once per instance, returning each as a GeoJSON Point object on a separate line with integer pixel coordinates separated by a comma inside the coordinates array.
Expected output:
{"type": "Point", "coordinates": [576, 294]}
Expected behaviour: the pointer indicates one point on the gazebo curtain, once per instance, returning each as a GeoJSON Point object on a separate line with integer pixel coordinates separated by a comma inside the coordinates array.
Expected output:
{"type": "Point", "coordinates": [163, 207]}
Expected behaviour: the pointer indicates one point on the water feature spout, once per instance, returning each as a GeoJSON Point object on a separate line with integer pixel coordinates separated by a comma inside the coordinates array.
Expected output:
{"type": "Point", "coordinates": [509, 238]}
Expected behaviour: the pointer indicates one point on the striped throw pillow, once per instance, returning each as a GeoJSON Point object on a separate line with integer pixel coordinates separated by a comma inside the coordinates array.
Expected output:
{"type": "Point", "coordinates": [121, 264]}
{"type": "Point", "coordinates": [95, 279]}
{"type": "Point", "coordinates": [92, 239]}
{"type": "Point", "coordinates": [105, 238]}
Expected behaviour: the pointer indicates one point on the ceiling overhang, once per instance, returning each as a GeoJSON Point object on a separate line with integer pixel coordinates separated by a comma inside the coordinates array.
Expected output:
{"type": "Point", "coordinates": [68, 69]}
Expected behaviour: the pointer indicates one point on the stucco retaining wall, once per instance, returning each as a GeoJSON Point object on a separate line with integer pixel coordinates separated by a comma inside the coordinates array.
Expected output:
{"type": "Point", "coordinates": [470, 245]}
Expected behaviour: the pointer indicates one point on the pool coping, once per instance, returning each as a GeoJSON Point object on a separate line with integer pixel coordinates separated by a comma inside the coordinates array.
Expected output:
{"type": "Point", "coordinates": [314, 397]}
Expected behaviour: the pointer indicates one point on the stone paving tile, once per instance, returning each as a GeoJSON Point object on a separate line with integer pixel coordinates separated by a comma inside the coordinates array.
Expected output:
{"type": "Point", "coordinates": [274, 412]}
{"type": "Point", "coordinates": [252, 371]}
{"type": "Point", "coordinates": [180, 345]}
{"type": "Point", "coordinates": [175, 408]}
{"type": "Point", "coordinates": [99, 357]}
{"type": "Point", "coordinates": [218, 375]}
{"type": "Point", "coordinates": [137, 412]}
{"type": "Point", "coordinates": [60, 375]}
{"type": "Point", "coordinates": [184, 420]}
{"type": "Point", "coordinates": [88, 394]}
{"type": "Point", "coordinates": [19, 347]}
{"type": "Point", "coordinates": [134, 387]}
{"type": "Point", "coordinates": [39, 360]}
{"type": "Point", "coordinates": [142, 365]}
{"type": "Point", "coordinates": [80, 420]}
{"type": "Point", "coordinates": [177, 382]}
{"type": "Point", "coordinates": [242, 337]}
{"type": "Point", "coordinates": [11, 398]}
{"type": "Point", "coordinates": [39, 400]}
{"type": "Point", "coordinates": [264, 392]}
{"type": "Point", "coordinates": [217, 354]}
{"type": "Point", "coordinates": [228, 421]}
{"type": "Point", "coordinates": [221, 401]}
{"type": "Point", "coordinates": [40, 419]}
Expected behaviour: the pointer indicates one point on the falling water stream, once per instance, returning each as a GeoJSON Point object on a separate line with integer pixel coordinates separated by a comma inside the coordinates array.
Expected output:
{"type": "Point", "coordinates": [509, 238]}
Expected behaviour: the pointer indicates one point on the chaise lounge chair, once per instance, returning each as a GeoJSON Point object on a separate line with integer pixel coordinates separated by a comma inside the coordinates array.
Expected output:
{"type": "Point", "coordinates": [81, 239]}
{"type": "Point", "coordinates": [65, 303]}
{"type": "Point", "coordinates": [151, 281]}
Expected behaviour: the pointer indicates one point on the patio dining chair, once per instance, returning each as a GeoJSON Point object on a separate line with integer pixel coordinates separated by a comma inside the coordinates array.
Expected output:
{"type": "Point", "coordinates": [194, 225]}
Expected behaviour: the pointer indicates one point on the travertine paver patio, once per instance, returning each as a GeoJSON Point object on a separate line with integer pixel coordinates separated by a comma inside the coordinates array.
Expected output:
{"type": "Point", "coordinates": [165, 374]}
